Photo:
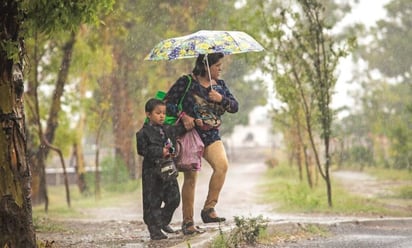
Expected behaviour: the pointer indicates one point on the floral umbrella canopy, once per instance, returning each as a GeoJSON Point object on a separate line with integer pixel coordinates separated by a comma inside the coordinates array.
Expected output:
{"type": "Point", "coordinates": [204, 42]}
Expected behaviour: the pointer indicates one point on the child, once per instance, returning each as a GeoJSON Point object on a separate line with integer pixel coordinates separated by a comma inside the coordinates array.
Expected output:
{"type": "Point", "coordinates": [155, 142]}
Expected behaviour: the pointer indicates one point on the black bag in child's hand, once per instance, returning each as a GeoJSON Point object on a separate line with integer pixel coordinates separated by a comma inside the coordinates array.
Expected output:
{"type": "Point", "coordinates": [168, 169]}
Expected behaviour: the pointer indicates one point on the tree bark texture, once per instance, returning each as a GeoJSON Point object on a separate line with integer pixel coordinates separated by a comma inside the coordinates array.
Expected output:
{"type": "Point", "coordinates": [16, 226]}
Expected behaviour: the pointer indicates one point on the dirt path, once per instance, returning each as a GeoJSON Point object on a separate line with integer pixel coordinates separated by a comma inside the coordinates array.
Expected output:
{"type": "Point", "coordinates": [122, 226]}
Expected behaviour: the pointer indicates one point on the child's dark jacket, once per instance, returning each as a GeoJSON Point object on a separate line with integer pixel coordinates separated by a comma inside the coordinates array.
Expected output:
{"type": "Point", "coordinates": [150, 143]}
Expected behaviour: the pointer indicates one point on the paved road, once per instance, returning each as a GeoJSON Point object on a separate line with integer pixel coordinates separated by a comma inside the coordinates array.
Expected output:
{"type": "Point", "coordinates": [389, 233]}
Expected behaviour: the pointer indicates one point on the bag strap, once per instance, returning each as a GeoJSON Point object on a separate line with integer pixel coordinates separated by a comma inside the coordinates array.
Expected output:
{"type": "Point", "coordinates": [179, 105]}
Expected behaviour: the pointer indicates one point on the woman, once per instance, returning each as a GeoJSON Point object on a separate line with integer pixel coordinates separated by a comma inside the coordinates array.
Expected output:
{"type": "Point", "coordinates": [206, 100]}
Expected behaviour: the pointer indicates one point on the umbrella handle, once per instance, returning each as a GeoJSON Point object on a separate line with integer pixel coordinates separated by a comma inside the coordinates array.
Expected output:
{"type": "Point", "coordinates": [208, 71]}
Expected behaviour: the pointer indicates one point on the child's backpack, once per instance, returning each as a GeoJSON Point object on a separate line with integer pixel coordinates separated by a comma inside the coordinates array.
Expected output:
{"type": "Point", "coordinates": [171, 120]}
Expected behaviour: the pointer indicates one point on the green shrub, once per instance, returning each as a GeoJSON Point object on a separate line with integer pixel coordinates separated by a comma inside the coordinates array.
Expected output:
{"type": "Point", "coordinates": [247, 231]}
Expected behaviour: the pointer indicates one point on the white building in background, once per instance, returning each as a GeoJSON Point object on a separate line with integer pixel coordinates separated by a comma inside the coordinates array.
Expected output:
{"type": "Point", "coordinates": [256, 134]}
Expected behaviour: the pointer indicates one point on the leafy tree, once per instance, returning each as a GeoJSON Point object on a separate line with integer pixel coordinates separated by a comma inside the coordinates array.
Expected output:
{"type": "Point", "coordinates": [134, 80]}
{"type": "Point", "coordinates": [52, 59]}
{"type": "Point", "coordinates": [16, 226]}
{"type": "Point", "coordinates": [303, 59]}
{"type": "Point", "coordinates": [21, 19]}
{"type": "Point", "coordinates": [389, 52]}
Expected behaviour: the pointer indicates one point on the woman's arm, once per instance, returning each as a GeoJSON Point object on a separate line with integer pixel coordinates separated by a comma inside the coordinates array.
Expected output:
{"type": "Point", "coordinates": [174, 94]}
{"type": "Point", "coordinates": [229, 102]}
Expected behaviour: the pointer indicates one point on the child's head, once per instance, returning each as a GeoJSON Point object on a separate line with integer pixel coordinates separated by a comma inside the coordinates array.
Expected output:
{"type": "Point", "coordinates": [156, 111]}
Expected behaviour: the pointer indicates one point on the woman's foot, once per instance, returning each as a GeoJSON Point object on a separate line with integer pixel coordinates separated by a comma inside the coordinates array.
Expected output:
{"type": "Point", "coordinates": [210, 216]}
{"type": "Point", "coordinates": [189, 228]}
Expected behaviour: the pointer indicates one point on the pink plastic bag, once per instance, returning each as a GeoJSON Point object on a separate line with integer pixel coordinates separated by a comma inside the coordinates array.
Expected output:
{"type": "Point", "coordinates": [189, 151]}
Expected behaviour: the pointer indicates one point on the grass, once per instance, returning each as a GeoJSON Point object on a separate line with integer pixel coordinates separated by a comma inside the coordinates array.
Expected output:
{"type": "Point", "coordinates": [280, 234]}
{"type": "Point", "coordinates": [389, 174]}
{"type": "Point", "coordinates": [282, 186]}
{"type": "Point", "coordinates": [405, 192]}
{"type": "Point", "coordinates": [58, 208]}
{"type": "Point", "coordinates": [401, 192]}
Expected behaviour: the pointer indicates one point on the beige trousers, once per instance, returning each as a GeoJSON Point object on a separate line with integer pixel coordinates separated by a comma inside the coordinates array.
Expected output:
{"type": "Point", "coordinates": [215, 155]}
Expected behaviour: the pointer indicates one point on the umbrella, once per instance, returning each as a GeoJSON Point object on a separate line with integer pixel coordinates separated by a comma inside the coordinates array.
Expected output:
{"type": "Point", "coordinates": [204, 42]}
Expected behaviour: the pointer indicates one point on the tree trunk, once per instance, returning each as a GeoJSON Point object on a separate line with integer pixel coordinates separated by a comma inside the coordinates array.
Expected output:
{"type": "Point", "coordinates": [78, 146]}
{"type": "Point", "coordinates": [40, 196]}
{"type": "Point", "coordinates": [16, 224]}
{"type": "Point", "coordinates": [35, 151]}
{"type": "Point", "coordinates": [80, 167]}
{"type": "Point", "coordinates": [66, 180]}
{"type": "Point", "coordinates": [97, 191]}
{"type": "Point", "coordinates": [123, 124]}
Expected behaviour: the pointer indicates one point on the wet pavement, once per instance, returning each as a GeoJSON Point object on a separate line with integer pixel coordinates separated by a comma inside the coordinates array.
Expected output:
{"type": "Point", "coordinates": [386, 233]}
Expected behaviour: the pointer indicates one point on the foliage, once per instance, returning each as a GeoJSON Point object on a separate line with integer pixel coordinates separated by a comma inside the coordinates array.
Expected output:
{"type": "Point", "coordinates": [112, 38]}
{"type": "Point", "coordinates": [299, 195]}
{"type": "Point", "coordinates": [390, 38]}
{"type": "Point", "coordinates": [113, 174]}
{"type": "Point", "coordinates": [302, 60]}
{"type": "Point", "coordinates": [381, 126]}
{"type": "Point", "coordinates": [52, 16]}
{"type": "Point", "coordinates": [183, 18]}
{"type": "Point", "coordinates": [247, 231]}
{"type": "Point", "coordinates": [291, 195]}
{"type": "Point", "coordinates": [383, 103]}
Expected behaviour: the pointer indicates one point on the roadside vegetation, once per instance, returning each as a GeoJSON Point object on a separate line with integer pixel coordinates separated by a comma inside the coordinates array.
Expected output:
{"type": "Point", "coordinates": [111, 195]}
{"type": "Point", "coordinates": [290, 194]}
{"type": "Point", "coordinates": [247, 231]}
{"type": "Point", "coordinates": [283, 189]}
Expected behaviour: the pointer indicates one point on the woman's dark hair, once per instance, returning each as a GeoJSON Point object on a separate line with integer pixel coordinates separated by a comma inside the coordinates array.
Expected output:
{"type": "Point", "coordinates": [200, 65]}
{"type": "Point", "coordinates": [152, 103]}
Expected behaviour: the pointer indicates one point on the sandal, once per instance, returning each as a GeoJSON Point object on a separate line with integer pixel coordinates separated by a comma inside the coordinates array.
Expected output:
{"type": "Point", "coordinates": [189, 229]}
{"type": "Point", "coordinates": [205, 214]}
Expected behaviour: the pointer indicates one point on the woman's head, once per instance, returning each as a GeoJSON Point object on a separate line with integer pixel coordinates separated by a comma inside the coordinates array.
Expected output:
{"type": "Point", "coordinates": [156, 111]}
{"type": "Point", "coordinates": [200, 68]}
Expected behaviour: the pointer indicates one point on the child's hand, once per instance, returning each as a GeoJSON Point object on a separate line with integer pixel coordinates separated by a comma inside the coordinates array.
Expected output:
{"type": "Point", "coordinates": [188, 122]}
{"type": "Point", "coordinates": [166, 152]}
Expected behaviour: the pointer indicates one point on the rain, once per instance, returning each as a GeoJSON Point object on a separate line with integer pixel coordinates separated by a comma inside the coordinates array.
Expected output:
{"type": "Point", "coordinates": [320, 149]}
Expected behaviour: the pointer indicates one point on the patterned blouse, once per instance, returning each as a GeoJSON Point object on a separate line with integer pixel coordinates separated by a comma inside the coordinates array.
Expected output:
{"type": "Point", "coordinates": [198, 96]}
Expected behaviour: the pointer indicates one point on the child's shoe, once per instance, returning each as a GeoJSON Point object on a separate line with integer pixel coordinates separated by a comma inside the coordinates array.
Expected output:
{"type": "Point", "coordinates": [156, 233]}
